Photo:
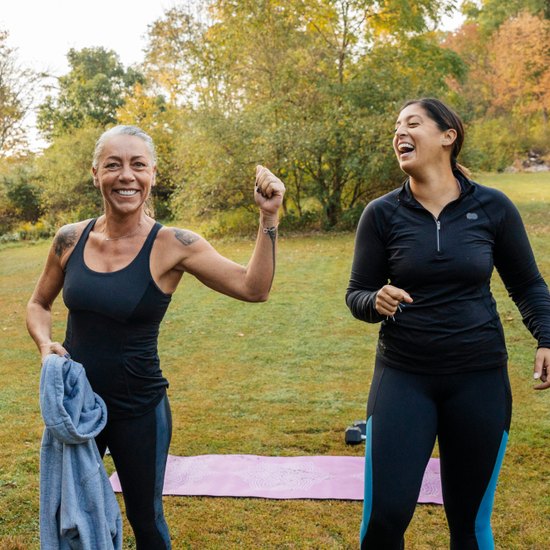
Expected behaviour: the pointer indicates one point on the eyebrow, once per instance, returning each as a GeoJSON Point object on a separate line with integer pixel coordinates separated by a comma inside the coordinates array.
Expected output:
{"type": "Point", "coordinates": [409, 118]}
{"type": "Point", "coordinates": [116, 157]}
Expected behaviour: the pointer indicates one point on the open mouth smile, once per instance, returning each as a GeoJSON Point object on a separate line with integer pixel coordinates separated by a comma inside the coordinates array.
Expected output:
{"type": "Point", "coordinates": [405, 148]}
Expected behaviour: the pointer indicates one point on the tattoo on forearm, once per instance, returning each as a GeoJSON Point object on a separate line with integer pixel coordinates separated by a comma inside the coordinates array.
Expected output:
{"type": "Point", "coordinates": [185, 237]}
{"type": "Point", "coordinates": [65, 239]}
{"type": "Point", "coordinates": [272, 233]}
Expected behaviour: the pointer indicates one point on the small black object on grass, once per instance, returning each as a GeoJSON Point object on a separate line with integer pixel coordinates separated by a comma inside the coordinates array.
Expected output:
{"type": "Point", "coordinates": [356, 433]}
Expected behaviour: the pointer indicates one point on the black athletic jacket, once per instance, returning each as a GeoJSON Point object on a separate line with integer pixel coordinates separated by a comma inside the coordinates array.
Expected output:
{"type": "Point", "coordinates": [445, 264]}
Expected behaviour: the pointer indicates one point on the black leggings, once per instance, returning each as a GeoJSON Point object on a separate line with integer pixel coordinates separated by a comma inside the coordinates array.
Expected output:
{"type": "Point", "coordinates": [470, 414]}
{"type": "Point", "coordinates": [139, 447]}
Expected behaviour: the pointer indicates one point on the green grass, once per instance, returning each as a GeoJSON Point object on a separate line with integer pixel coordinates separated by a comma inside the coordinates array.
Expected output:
{"type": "Point", "coordinates": [281, 378]}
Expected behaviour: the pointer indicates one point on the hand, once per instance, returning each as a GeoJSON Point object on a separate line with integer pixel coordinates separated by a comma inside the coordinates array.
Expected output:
{"type": "Point", "coordinates": [269, 191]}
{"type": "Point", "coordinates": [388, 299]}
{"type": "Point", "coordinates": [542, 368]}
{"type": "Point", "coordinates": [52, 347]}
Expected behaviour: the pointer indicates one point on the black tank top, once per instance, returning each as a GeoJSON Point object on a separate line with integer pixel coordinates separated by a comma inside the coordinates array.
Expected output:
{"type": "Point", "coordinates": [113, 327]}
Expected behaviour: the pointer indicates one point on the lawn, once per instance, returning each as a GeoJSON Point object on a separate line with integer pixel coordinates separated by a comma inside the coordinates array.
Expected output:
{"type": "Point", "coordinates": [281, 378]}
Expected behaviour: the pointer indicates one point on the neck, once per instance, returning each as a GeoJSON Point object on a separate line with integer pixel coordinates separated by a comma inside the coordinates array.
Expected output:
{"type": "Point", "coordinates": [435, 190]}
{"type": "Point", "coordinates": [433, 183]}
{"type": "Point", "coordinates": [114, 228]}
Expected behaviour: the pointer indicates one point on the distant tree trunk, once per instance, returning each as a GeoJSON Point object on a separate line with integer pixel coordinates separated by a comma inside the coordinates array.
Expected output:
{"type": "Point", "coordinates": [333, 211]}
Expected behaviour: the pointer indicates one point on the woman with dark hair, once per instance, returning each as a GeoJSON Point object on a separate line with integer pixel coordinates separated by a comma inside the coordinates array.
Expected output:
{"type": "Point", "coordinates": [424, 256]}
{"type": "Point", "coordinates": [118, 273]}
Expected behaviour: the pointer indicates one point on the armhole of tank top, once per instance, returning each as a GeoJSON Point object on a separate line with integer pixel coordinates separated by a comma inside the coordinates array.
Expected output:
{"type": "Point", "coordinates": [80, 242]}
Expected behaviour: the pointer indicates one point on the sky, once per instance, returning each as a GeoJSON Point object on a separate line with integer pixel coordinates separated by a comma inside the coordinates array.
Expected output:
{"type": "Point", "coordinates": [43, 31]}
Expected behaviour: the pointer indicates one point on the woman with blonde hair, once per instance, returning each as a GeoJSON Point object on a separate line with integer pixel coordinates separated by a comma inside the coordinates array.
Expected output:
{"type": "Point", "coordinates": [118, 273]}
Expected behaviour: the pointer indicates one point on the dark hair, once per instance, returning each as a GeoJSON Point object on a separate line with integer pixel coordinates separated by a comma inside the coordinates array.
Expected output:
{"type": "Point", "coordinates": [445, 118]}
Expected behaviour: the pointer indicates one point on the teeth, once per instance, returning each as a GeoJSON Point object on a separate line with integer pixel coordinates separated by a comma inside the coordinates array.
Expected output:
{"type": "Point", "coordinates": [126, 192]}
{"type": "Point", "coordinates": [405, 147]}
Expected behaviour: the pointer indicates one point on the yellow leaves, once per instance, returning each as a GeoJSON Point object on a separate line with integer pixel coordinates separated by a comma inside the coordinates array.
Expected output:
{"type": "Point", "coordinates": [519, 58]}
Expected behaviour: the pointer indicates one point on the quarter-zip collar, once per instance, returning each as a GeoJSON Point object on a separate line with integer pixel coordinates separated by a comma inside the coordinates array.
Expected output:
{"type": "Point", "coordinates": [406, 197]}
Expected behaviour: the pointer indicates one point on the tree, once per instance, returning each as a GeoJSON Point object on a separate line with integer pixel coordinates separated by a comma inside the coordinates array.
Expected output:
{"type": "Point", "coordinates": [20, 193]}
{"type": "Point", "coordinates": [506, 93]}
{"type": "Point", "coordinates": [64, 174]}
{"type": "Point", "coordinates": [95, 87]}
{"type": "Point", "coordinates": [491, 14]}
{"type": "Point", "coordinates": [16, 98]}
{"type": "Point", "coordinates": [304, 85]}
{"type": "Point", "coordinates": [23, 194]}
{"type": "Point", "coordinates": [296, 64]}
{"type": "Point", "coordinates": [519, 56]}
{"type": "Point", "coordinates": [174, 45]}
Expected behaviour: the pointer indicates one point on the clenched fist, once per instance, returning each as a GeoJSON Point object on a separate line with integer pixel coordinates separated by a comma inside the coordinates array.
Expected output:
{"type": "Point", "coordinates": [269, 191]}
{"type": "Point", "coordinates": [388, 299]}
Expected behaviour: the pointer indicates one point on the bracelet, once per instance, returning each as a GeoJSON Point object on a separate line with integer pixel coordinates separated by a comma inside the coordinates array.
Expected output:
{"type": "Point", "coordinates": [269, 230]}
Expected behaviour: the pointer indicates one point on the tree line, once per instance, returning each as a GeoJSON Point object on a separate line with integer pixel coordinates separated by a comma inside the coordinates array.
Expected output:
{"type": "Point", "coordinates": [310, 88]}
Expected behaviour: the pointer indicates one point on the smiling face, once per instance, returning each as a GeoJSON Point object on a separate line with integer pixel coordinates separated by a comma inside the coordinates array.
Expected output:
{"type": "Point", "coordinates": [125, 173]}
{"type": "Point", "coordinates": [419, 142]}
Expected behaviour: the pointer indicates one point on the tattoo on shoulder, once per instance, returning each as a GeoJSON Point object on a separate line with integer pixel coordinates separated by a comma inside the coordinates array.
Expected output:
{"type": "Point", "coordinates": [66, 237]}
{"type": "Point", "coordinates": [185, 237]}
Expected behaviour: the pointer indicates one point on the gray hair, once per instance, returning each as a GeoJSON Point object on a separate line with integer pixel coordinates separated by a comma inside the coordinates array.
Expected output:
{"type": "Point", "coordinates": [125, 131]}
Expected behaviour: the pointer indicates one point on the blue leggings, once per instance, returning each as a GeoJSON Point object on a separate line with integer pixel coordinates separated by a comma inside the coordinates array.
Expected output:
{"type": "Point", "coordinates": [470, 414]}
{"type": "Point", "coordinates": [139, 447]}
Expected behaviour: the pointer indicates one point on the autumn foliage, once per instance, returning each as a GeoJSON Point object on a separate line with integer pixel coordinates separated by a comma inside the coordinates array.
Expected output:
{"type": "Point", "coordinates": [309, 87]}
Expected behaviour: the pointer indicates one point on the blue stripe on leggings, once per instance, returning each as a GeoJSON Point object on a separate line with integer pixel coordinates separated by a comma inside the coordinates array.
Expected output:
{"type": "Point", "coordinates": [163, 421]}
{"type": "Point", "coordinates": [367, 502]}
{"type": "Point", "coordinates": [484, 534]}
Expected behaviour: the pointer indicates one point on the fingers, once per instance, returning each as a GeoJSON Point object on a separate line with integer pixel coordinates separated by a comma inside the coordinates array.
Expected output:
{"type": "Point", "coordinates": [267, 184]}
{"type": "Point", "coordinates": [542, 368]}
{"type": "Point", "coordinates": [53, 347]}
{"type": "Point", "coordinates": [389, 299]}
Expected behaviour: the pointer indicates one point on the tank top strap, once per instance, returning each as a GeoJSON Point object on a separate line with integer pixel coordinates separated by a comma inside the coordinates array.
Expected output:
{"type": "Point", "coordinates": [148, 244]}
{"type": "Point", "coordinates": [84, 237]}
{"type": "Point", "coordinates": [152, 235]}
{"type": "Point", "coordinates": [144, 254]}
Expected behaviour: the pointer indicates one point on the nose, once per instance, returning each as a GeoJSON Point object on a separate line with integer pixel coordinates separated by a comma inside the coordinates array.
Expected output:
{"type": "Point", "coordinates": [401, 130]}
{"type": "Point", "coordinates": [126, 173]}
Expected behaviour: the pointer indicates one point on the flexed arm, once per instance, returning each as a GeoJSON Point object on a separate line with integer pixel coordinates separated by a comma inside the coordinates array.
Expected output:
{"type": "Point", "coordinates": [253, 282]}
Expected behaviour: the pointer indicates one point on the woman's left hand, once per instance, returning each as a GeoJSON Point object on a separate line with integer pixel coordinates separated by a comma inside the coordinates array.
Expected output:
{"type": "Point", "coordinates": [542, 368]}
{"type": "Point", "coordinates": [269, 191]}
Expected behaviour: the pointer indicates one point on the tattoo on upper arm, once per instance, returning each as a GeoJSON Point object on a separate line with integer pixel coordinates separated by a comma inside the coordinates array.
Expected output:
{"type": "Point", "coordinates": [185, 237]}
{"type": "Point", "coordinates": [65, 239]}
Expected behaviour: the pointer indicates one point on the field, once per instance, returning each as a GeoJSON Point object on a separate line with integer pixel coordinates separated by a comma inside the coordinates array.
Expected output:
{"type": "Point", "coordinates": [281, 378]}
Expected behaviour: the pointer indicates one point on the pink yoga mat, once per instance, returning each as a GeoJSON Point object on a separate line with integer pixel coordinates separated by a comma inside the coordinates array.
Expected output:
{"type": "Point", "coordinates": [314, 477]}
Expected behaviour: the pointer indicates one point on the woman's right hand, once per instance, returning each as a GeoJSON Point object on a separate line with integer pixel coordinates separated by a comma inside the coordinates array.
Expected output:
{"type": "Point", "coordinates": [388, 299]}
{"type": "Point", "coordinates": [52, 347]}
